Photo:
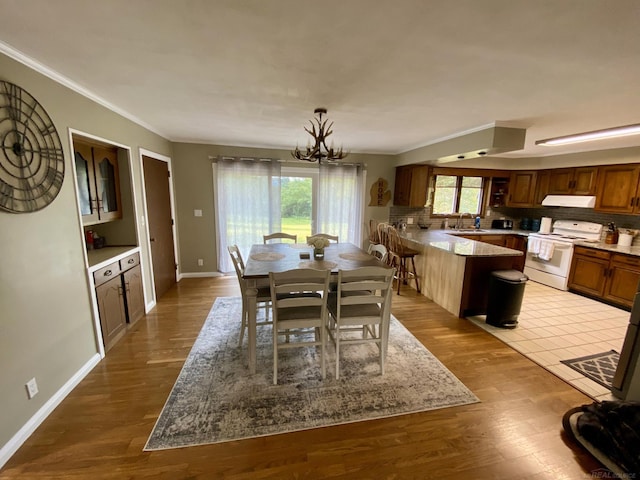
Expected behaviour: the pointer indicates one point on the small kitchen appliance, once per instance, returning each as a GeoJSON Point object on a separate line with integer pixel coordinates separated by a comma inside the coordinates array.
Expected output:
{"type": "Point", "coordinates": [502, 224]}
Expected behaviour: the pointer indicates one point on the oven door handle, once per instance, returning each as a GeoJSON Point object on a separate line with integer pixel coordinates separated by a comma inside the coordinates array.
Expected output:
{"type": "Point", "coordinates": [560, 246]}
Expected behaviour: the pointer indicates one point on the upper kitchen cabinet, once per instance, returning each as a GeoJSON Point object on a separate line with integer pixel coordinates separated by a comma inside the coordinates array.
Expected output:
{"type": "Point", "coordinates": [411, 186]}
{"type": "Point", "coordinates": [617, 190]}
{"type": "Point", "coordinates": [98, 181]}
{"type": "Point", "coordinates": [499, 191]}
{"type": "Point", "coordinates": [542, 186]}
{"type": "Point", "coordinates": [573, 181]}
{"type": "Point", "coordinates": [522, 188]}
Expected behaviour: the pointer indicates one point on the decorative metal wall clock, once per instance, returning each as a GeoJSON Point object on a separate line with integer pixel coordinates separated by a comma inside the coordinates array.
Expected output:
{"type": "Point", "coordinates": [32, 160]}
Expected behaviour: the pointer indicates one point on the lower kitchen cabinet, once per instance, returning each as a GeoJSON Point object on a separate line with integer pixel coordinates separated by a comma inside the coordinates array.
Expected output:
{"type": "Point", "coordinates": [113, 318]}
{"type": "Point", "coordinates": [512, 241]}
{"type": "Point", "coordinates": [133, 294]}
{"type": "Point", "coordinates": [517, 242]}
{"type": "Point", "coordinates": [608, 276]}
{"type": "Point", "coordinates": [624, 274]}
{"type": "Point", "coordinates": [119, 297]}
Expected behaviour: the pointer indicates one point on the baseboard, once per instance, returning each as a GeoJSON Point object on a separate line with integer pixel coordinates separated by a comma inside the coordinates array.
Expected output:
{"type": "Point", "coordinates": [149, 306]}
{"type": "Point", "coordinates": [201, 274]}
{"type": "Point", "coordinates": [12, 446]}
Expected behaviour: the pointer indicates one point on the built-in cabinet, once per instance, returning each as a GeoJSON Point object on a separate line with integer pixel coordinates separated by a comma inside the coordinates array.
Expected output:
{"type": "Point", "coordinates": [542, 186]}
{"type": "Point", "coordinates": [608, 276]}
{"type": "Point", "coordinates": [528, 188]}
{"type": "Point", "coordinates": [512, 241]}
{"type": "Point", "coordinates": [499, 191]}
{"type": "Point", "coordinates": [119, 296]}
{"type": "Point", "coordinates": [98, 181]}
{"type": "Point", "coordinates": [522, 186]}
{"type": "Point", "coordinates": [618, 190]}
{"type": "Point", "coordinates": [572, 181]}
{"type": "Point", "coordinates": [616, 187]}
{"type": "Point", "coordinates": [411, 186]}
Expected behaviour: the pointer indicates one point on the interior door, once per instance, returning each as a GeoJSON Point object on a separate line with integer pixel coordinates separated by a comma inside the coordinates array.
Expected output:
{"type": "Point", "coordinates": [156, 180]}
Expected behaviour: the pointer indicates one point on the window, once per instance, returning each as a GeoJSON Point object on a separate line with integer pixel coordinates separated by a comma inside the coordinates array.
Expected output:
{"type": "Point", "coordinates": [458, 194]}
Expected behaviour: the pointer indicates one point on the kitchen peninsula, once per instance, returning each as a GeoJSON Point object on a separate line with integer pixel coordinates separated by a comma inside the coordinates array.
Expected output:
{"type": "Point", "coordinates": [454, 271]}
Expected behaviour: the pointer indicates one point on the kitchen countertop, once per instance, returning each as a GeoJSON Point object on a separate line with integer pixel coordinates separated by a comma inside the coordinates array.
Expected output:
{"type": "Point", "coordinates": [449, 241]}
{"type": "Point", "coordinates": [634, 250]}
{"type": "Point", "coordinates": [102, 257]}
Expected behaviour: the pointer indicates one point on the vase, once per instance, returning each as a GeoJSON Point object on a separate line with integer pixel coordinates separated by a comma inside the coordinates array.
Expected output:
{"type": "Point", "coordinates": [318, 253]}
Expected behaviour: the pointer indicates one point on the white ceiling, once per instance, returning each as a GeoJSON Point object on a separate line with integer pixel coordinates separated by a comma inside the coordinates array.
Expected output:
{"type": "Point", "coordinates": [394, 75]}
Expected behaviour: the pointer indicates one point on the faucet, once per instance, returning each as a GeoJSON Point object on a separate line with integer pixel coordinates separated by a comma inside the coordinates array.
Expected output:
{"type": "Point", "coordinates": [460, 222]}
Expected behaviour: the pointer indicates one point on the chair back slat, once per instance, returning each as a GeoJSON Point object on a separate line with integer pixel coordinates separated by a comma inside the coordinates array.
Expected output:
{"type": "Point", "coordinates": [279, 236]}
{"type": "Point", "coordinates": [332, 238]}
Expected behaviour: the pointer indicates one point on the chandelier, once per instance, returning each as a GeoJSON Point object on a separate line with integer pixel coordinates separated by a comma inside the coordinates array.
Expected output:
{"type": "Point", "coordinates": [319, 151]}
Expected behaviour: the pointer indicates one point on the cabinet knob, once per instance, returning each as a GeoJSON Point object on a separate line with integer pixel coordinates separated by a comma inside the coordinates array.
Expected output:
{"type": "Point", "coordinates": [152, 240]}
{"type": "Point", "coordinates": [131, 260]}
{"type": "Point", "coordinates": [108, 273]}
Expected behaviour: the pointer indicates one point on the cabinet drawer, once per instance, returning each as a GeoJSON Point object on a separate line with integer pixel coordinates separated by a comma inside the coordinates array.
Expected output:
{"type": "Point", "coordinates": [106, 273]}
{"type": "Point", "coordinates": [626, 259]}
{"type": "Point", "coordinates": [129, 262]}
{"type": "Point", "coordinates": [592, 252]}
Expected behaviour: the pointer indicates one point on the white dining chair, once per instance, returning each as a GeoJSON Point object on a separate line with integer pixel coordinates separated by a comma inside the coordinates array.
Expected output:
{"type": "Point", "coordinates": [279, 236]}
{"type": "Point", "coordinates": [361, 310]}
{"type": "Point", "coordinates": [331, 238]}
{"type": "Point", "coordinates": [379, 251]}
{"type": "Point", "coordinates": [299, 310]}
{"type": "Point", "coordinates": [263, 298]}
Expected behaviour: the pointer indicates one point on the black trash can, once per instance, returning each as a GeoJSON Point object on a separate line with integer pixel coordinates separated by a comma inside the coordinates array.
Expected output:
{"type": "Point", "coordinates": [506, 289]}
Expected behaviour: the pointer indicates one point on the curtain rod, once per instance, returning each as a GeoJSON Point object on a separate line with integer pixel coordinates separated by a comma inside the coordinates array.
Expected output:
{"type": "Point", "coordinates": [287, 162]}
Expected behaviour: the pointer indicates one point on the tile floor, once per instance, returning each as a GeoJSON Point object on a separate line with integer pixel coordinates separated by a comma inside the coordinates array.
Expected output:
{"type": "Point", "coordinates": [554, 325]}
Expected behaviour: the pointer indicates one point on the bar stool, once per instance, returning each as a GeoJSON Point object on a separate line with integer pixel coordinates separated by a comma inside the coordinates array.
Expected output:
{"type": "Point", "coordinates": [400, 256]}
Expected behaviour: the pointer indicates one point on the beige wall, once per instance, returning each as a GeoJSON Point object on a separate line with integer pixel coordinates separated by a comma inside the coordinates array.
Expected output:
{"type": "Point", "coordinates": [193, 181]}
{"type": "Point", "coordinates": [46, 323]}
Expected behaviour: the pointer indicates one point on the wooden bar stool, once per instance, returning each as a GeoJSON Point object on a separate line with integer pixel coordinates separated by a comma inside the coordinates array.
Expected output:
{"type": "Point", "coordinates": [400, 256]}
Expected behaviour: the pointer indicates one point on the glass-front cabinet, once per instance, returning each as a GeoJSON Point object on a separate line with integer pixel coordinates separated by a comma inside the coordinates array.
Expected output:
{"type": "Point", "coordinates": [98, 181]}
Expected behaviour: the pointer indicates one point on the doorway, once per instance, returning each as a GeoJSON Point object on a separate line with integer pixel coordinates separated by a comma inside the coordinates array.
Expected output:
{"type": "Point", "coordinates": [160, 224]}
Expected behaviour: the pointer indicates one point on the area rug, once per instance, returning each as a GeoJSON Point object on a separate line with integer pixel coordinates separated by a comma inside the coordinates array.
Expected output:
{"type": "Point", "coordinates": [215, 399]}
{"type": "Point", "coordinates": [600, 367]}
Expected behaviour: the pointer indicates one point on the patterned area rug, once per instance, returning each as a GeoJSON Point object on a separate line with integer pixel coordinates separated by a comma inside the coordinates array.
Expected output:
{"type": "Point", "coordinates": [215, 399]}
{"type": "Point", "coordinates": [600, 367]}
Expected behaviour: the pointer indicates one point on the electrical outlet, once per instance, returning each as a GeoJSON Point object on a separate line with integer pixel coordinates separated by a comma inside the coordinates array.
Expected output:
{"type": "Point", "coordinates": [197, 212]}
{"type": "Point", "coordinates": [32, 388]}
{"type": "Point", "coordinates": [200, 262]}
{"type": "Point", "coordinates": [409, 220]}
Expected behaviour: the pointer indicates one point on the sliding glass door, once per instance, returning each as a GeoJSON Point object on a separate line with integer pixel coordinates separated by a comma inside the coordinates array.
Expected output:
{"type": "Point", "coordinates": [256, 197]}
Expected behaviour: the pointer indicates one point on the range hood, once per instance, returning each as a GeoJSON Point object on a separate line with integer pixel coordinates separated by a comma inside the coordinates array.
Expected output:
{"type": "Point", "coordinates": [580, 201]}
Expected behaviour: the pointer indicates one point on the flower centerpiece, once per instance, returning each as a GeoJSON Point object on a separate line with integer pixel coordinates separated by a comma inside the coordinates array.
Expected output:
{"type": "Point", "coordinates": [318, 244]}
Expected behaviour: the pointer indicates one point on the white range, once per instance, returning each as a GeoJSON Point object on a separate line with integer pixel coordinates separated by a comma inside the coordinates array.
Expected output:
{"type": "Point", "coordinates": [548, 259]}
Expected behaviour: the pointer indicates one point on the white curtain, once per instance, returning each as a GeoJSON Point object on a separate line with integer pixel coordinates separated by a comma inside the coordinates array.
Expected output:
{"type": "Point", "coordinates": [247, 204]}
{"type": "Point", "coordinates": [340, 201]}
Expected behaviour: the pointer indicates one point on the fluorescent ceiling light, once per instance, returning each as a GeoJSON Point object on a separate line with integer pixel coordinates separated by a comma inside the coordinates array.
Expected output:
{"type": "Point", "coordinates": [595, 135]}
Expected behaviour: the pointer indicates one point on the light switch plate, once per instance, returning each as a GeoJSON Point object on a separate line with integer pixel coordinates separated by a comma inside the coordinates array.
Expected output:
{"type": "Point", "coordinates": [197, 213]}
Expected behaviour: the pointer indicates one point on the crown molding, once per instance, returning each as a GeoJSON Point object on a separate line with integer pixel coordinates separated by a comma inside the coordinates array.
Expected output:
{"type": "Point", "coordinates": [50, 73]}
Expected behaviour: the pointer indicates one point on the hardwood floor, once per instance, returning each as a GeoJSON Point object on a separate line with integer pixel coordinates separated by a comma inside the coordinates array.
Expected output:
{"type": "Point", "coordinates": [99, 430]}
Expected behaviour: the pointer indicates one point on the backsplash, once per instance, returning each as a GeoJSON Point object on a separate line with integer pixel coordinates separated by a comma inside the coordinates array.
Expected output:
{"type": "Point", "coordinates": [422, 215]}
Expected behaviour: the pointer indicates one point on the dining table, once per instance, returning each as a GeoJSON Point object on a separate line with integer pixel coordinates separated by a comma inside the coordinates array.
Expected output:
{"type": "Point", "coordinates": [279, 257]}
